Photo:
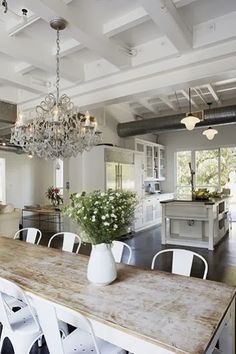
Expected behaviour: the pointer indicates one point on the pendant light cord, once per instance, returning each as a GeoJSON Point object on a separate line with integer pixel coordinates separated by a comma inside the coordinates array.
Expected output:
{"type": "Point", "coordinates": [58, 65]}
{"type": "Point", "coordinates": [189, 95]}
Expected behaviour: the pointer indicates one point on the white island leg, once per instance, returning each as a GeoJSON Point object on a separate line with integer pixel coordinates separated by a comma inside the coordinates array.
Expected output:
{"type": "Point", "coordinates": [163, 225]}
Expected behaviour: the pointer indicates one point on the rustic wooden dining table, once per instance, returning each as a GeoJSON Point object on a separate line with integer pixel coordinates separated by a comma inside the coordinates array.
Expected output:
{"type": "Point", "coordinates": [143, 311]}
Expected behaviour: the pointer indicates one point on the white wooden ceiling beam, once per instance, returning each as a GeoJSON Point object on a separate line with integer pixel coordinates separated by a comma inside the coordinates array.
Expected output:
{"type": "Point", "coordinates": [186, 95]}
{"type": "Point", "coordinates": [23, 68]}
{"type": "Point", "coordinates": [80, 30]}
{"type": "Point", "coordinates": [213, 93]}
{"type": "Point", "coordinates": [9, 77]}
{"type": "Point", "coordinates": [145, 103]}
{"type": "Point", "coordinates": [203, 65]}
{"type": "Point", "coordinates": [167, 102]}
{"type": "Point", "coordinates": [25, 49]}
{"type": "Point", "coordinates": [167, 18]}
{"type": "Point", "coordinates": [180, 3]}
{"type": "Point", "coordinates": [21, 26]}
{"type": "Point", "coordinates": [125, 22]}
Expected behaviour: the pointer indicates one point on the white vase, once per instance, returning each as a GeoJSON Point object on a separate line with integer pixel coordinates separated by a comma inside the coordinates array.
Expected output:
{"type": "Point", "coordinates": [101, 265]}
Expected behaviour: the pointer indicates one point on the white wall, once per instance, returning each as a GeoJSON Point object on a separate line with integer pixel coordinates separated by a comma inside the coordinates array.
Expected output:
{"type": "Point", "coordinates": [26, 179]}
{"type": "Point", "coordinates": [190, 140]}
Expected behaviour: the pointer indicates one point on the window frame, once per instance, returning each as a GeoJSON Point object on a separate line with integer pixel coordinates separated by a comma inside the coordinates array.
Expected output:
{"type": "Point", "coordinates": [193, 162]}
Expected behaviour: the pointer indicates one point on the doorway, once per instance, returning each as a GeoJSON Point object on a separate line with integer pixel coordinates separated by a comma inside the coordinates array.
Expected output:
{"type": "Point", "coordinates": [2, 181]}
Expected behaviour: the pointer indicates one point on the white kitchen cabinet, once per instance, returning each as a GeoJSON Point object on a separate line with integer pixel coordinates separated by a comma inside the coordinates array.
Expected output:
{"type": "Point", "coordinates": [149, 211]}
{"type": "Point", "coordinates": [154, 159]}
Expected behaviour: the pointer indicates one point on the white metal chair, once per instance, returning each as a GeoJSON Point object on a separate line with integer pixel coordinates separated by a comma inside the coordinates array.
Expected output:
{"type": "Point", "coordinates": [33, 235]}
{"type": "Point", "coordinates": [81, 340]}
{"type": "Point", "coordinates": [182, 261]}
{"type": "Point", "coordinates": [21, 327]}
{"type": "Point", "coordinates": [117, 249]}
{"type": "Point", "coordinates": [69, 239]}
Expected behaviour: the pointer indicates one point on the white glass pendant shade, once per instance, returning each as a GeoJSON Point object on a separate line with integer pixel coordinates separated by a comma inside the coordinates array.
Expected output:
{"type": "Point", "coordinates": [190, 121]}
{"type": "Point", "coordinates": [210, 133]}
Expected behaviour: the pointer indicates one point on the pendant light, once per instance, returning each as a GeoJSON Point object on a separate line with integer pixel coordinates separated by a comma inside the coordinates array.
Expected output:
{"type": "Point", "coordinates": [190, 121]}
{"type": "Point", "coordinates": [210, 132]}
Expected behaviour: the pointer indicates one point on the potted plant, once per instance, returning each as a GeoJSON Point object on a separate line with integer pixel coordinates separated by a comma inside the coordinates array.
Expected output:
{"type": "Point", "coordinates": [53, 194]}
{"type": "Point", "coordinates": [103, 217]}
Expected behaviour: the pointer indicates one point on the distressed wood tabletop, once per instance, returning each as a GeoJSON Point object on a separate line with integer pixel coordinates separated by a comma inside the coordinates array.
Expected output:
{"type": "Point", "coordinates": [178, 313]}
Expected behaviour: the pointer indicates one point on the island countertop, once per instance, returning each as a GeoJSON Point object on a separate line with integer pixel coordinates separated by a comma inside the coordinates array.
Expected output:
{"type": "Point", "coordinates": [170, 312]}
{"type": "Point", "coordinates": [210, 201]}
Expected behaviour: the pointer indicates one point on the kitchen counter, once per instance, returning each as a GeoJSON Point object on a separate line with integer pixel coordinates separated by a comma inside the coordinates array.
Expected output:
{"type": "Point", "coordinates": [211, 201]}
{"type": "Point", "coordinates": [198, 223]}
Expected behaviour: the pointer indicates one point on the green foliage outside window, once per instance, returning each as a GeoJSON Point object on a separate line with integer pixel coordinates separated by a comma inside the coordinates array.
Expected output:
{"type": "Point", "coordinates": [208, 164]}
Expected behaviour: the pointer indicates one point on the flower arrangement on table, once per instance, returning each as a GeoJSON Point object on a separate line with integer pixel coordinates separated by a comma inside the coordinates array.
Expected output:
{"type": "Point", "coordinates": [53, 194]}
{"type": "Point", "coordinates": [103, 217]}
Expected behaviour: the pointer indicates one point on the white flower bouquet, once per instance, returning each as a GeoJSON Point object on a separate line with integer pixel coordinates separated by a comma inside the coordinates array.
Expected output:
{"type": "Point", "coordinates": [103, 217]}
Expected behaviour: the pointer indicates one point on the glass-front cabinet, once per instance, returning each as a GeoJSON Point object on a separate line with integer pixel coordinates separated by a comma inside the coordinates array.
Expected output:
{"type": "Point", "coordinates": [154, 157]}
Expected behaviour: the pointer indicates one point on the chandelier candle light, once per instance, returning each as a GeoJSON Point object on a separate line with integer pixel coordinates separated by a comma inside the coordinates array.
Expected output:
{"type": "Point", "coordinates": [190, 121]}
{"type": "Point", "coordinates": [57, 131]}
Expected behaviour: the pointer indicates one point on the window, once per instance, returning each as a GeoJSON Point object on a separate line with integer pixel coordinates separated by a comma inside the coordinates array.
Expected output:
{"type": "Point", "coordinates": [2, 182]}
{"type": "Point", "coordinates": [207, 169]}
{"type": "Point", "coordinates": [59, 175]}
{"type": "Point", "coordinates": [212, 169]}
{"type": "Point", "coordinates": [183, 174]}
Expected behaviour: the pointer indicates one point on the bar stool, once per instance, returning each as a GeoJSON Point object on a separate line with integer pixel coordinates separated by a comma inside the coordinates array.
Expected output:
{"type": "Point", "coordinates": [117, 249]}
{"type": "Point", "coordinates": [69, 240]}
{"type": "Point", "coordinates": [82, 339]}
{"type": "Point", "coordinates": [33, 235]}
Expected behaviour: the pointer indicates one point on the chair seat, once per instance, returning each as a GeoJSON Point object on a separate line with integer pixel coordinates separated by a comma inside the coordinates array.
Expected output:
{"type": "Point", "coordinates": [22, 320]}
{"type": "Point", "coordinates": [81, 342]}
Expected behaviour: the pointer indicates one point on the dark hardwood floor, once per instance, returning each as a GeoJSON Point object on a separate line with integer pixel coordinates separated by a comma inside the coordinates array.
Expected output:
{"type": "Point", "coordinates": [221, 261]}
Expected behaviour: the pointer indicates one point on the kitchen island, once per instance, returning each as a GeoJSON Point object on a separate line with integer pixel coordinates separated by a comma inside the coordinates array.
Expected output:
{"type": "Point", "coordinates": [194, 223]}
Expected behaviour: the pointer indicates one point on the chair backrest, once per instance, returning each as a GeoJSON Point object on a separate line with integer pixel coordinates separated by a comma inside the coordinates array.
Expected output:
{"type": "Point", "coordinates": [117, 249]}
{"type": "Point", "coordinates": [13, 290]}
{"type": "Point", "coordinates": [182, 261]}
{"type": "Point", "coordinates": [33, 235]}
{"type": "Point", "coordinates": [69, 239]}
{"type": "Point", "coordinates": [48, 319]}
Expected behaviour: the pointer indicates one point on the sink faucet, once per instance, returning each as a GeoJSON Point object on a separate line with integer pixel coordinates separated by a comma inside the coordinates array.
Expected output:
{"type": "Point", "coordinates": [192, 174]}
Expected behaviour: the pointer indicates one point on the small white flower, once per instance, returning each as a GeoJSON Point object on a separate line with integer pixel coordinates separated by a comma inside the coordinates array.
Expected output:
{"type": "Point", "coordinates": [103, 217]}
{"type": "Point", "coordinates": [96, 202]}
{"type": "Point", "coordinates": [111, 198]}
{"type": "Point", "coordinates": [107, 215]}
{"type": "Point", "coordinates": [102, 194]}
{"type": "Point", "coordinates": [95, 211]}
{"type": "Point", "coordinates": [85, 217]}
{"type": "Point", "coordinates": [106, 223]}
{"type": "Point", "coordinates": [115, 227]}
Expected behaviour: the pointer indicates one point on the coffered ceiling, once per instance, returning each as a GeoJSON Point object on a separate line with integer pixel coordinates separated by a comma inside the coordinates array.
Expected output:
{"type": "Point", "coordinates": [135, 57]}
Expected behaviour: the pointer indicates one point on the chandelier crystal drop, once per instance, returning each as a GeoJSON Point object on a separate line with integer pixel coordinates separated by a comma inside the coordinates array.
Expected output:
{"type": "Point", "coordinates": [57, 131]}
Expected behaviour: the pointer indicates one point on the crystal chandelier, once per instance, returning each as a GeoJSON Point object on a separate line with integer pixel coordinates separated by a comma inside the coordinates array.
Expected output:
{"type": "Point", "coordinates": [57, 131]}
